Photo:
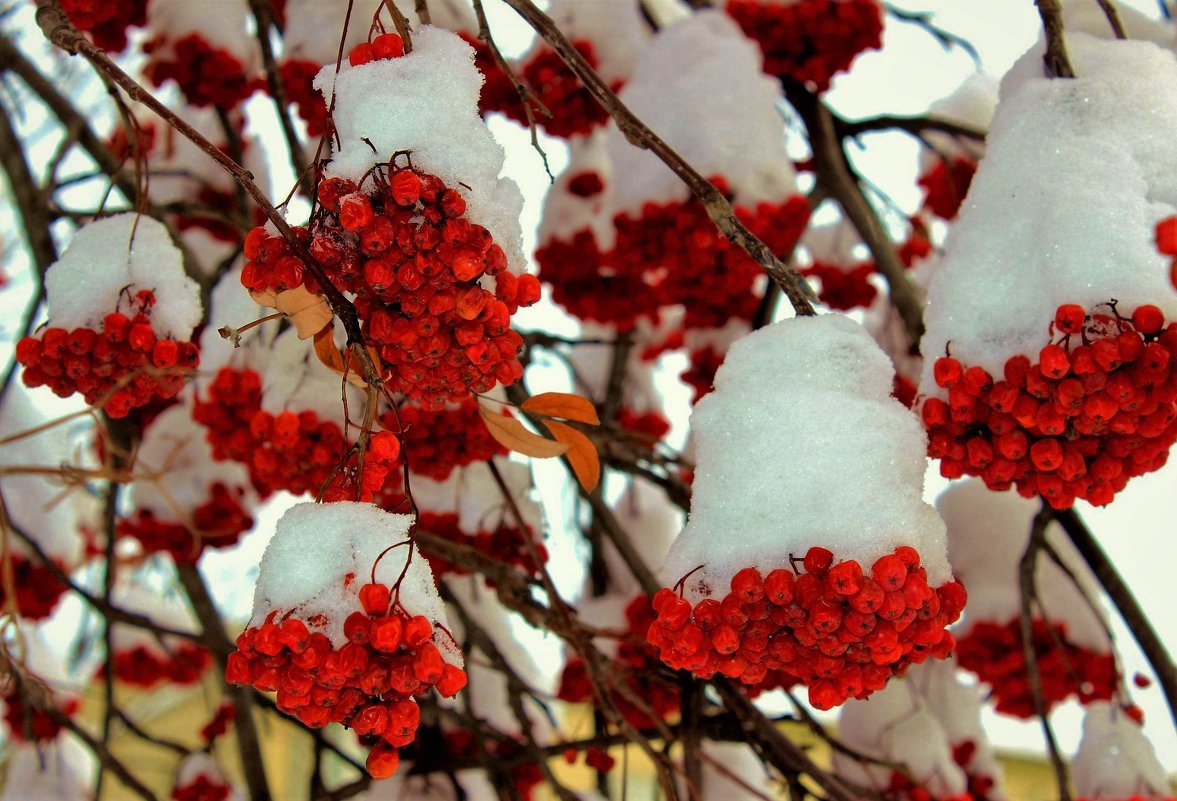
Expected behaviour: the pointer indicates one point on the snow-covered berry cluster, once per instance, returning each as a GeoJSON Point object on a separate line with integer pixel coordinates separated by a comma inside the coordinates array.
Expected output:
{"type": "Point", "coordinates": [1098, 407]}
{"type": "Point", "coordinates": [838, 630]}
{"type": "Point", "coordinates": [810, 40]}
{"type": "Point", "coordinates": [638, 662]}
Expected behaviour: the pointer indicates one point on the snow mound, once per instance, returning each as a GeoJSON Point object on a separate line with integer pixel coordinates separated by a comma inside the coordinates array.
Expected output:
{"type": "Point", "coordinates": [1115, 760]}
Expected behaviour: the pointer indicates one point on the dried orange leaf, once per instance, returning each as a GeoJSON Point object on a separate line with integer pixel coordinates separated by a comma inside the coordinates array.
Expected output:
{"type": "Point", "coordinates": [332, 357]}
{"type": "Point", "coordinates": [511, 434]}
{"type": "Point", "coordinates": [582, 454]}
{"type": "Point", "coordinates": [561, 404]}
{"type": "Point", "coordinates": [308, 312]}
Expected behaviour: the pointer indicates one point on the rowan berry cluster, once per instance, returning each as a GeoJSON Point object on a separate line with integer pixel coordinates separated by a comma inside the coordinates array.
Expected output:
{"type": "Point", "coordinates": [206, 74]}
{"type": "Point", "coordinates": [980, 785]}
{"type": "Point", "coordinates": [202, 787]}
{"type": "Point", "coordinates": [106, 20]}
{"type": "Point", "coordinates": [648, 426]}
{"type": "Point", "coordinates": [414, 264]}
{"type": "Point", "coordinates": [669, 254]}
{"type": "Point", "coordinates": [946, 184]}
{"type": "Point", "coordinates": [638, 663]}
{"type": "Point", "coordinates": [124, 366]}
{"type": "Point", "coordinates": [217, 523]}
{"type": "Point", "coordinates": [1097, 408]}
{"type": "Point", "coordinates": [367, 684]}
{"type": "Point", "coordinates": [832, 627]}
{"type": "Point", "coordinates": [144, 667]}
{"type": "Point", "coordinates": [29, 724]}
{"type": "Point", "coordinates": [298, 77]}
{"type": "Point", "coordinates": [284, 451]}
{"type": "Point", "coordinates": [368, 480]}
{"type": "Point", "coordinates": [574, 111]}
{"type": "Point", "coordinates": [902, 788]}
{"type": "Point", "coordinates": [843, 288]}
{"type": "Point", "coordinates": [810, 40]}
{"type": "Point", "coordinates": [37, 588]}
{"type": "Point", "coordinates": [701, 369]}
{"type": "Point", "coordinates": [506, 544]}
{"type": "Point", "coordinates": [435, 442]}
{"type": "Point", "coordinates": [995, 653]}
{"type": "Point", "coordinates": [226, 713]}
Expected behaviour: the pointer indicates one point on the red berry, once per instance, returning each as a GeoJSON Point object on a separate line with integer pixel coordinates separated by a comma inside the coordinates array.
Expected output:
{"type": "Point", "coordinates": [947, 372]}
{"type": "Point", "coordinates": [1167, 236]}
{"type": "Point", "coordinates": [817, 561]}
{"type": "Point", "coordinates": [1070, 318]}
{"type": "Point", "coordinates": [1148, 319]}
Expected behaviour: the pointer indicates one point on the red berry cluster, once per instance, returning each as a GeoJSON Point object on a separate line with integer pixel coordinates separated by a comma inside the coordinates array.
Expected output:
{"type": "Point", "coordinates": [649, 427]}
{"type": "Point", "coordinates": [639, 665]}
{"type": "Point", "coordinates": [669, 254]}
{"type": "Point", "coordinates": [377, 481]}
{"type": "Point", "coordinates": [286, 451]}
{"type": "Point", "coordinates": [225, 715]}
{"type": "Point", "coordinates": [700, 373]}
{"type": "Point", "coordinates": [414, 264]}
{"type": "Point", "coordinates": [596, 758]}
{"type": "Point", "coordinates": [106, 20]}
{"type": "Point", "coordinates": [1097, 408]}
{"type": "Point", "coordinates": [124, 366]}
{"type": "Point", "coordinates": [143, 667]}
{"type": "Point", "coordinates": [843, 288]}
{"type": "Point", "coordinates": [207, 75]}
{"type": "Point", "coordinates": [832, 627]}
{"type": "Point", "coordinates": [29, 724]}
{"type": "Point", "coordinates": [367, 684]}
{"type": "Point", "coordinates": [505, 544]}
{"type": "Point", "coordinates": [810, 40]}
{"type": "Point", "coordinates": [946, 184]}
{"type": "Point", "coordinates": [298, 77]}
{"type": "Point", "coordinates": [218, 523]}
{"type": "Point", "coordinates": [574, 110]}
{"type": "Point", "coordinates": [202, 787]}
{"type": "Point", "coordinates": [994, 652]}
{"type": "Point", "coordinates": [980, 785]}
{"type": "Point", "coordinates": [902, 788]}
{"type": "Point", "coordinates": [37, 588]}
{"type": "Point", "coordinates": [435, 442]}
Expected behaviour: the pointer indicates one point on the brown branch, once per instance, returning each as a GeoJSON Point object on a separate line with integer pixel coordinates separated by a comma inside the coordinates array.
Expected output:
{"type": "Point", "coordinates": [912, 125]}
{"type": "Point", "coordinates": [263, 14]}
{"type": "Point", "coordinates": [795, 288]}
{"type": "Point", "coordinates": [248, 740]}
{"type": "Point", "coordinates": [834, 175]}
{"type": "Point", "coordinates": [1029, 593]}
{"type": "Point", "coordinates": [1055, 60]}
{"type": "Point", "coordinates": [104, 755]}
{"type": "Point", "coordinates": [27, 197]}
{"type": "Point", "coordinates": [1134, 616]}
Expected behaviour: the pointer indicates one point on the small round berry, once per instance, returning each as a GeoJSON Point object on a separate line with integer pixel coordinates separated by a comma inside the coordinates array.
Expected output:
{"type": "Point", "coordinates": [1070, 318]}
{"type": "Point", "coordinates": [947, 372]}
{"type": "Point", "coordinates": [1148, 319]}
{"type": "Point", "coordinates": [817, 561]}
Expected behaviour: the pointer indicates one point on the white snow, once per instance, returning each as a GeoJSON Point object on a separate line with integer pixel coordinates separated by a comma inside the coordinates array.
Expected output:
{"type": "Point", "coordinates": [616, 29]}
{"type": "Point", "coordinates": [176, 468]}
{"type": "Point", "coordinates": [897, 724]}
{"type": "Point", "coordinates": [1063, 208]}
{"type": "Point", "coordinates": [293, 379]}
{"type": "Point", "coordinates": [313, 28]}
{"type": "Point", "coordinates": [472, 493]}
{"type": "Point", "coordinates": [162, 604]}
{"type": "Point", "coordinates": [426, 102]}
{"type": "Point", "coordinates": [59, 771]}
{"type": "Point", "coordinates": [800, 445]}
{"type": "Point", "coordinates": [987, 533]}
{"type": "Point", "coordinates": [231, 305]}
{"type": "Point", "coordinates": [305, 569]}
{"type": "Point", "coordinates": [45, 509]}
{"type": "Point", "coordinates": [703, 62]}
{"type": "Point", "coordinates": [972, 103]}
{"type": "Point", "coordinates": [107, 262]}
{"type": "Point", "coordinates": [1115, 760]}
{"type": "Point", "coordinates": [564, 213]}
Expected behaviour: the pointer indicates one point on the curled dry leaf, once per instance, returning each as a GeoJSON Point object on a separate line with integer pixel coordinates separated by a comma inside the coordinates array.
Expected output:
{"type": "Point", "coordinates": [332, 357]}
{"type": "Point", "coordinates": [309, 313]}
{"type": "Point", "coordinates": [561, 404]}
{"type": "Point", "coordinates": [511, 434]}
{"type": "Point", "coordinates": [581, 455]}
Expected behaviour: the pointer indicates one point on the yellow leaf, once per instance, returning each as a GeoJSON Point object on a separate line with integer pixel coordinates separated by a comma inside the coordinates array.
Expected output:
{"type": "Point", "coordinates": [511, 434]}
{"type": "Point", "coordinates": [582, 454]}
{"type": "Point", "coordinates": [561, 404]}
{"type": "Point", "coordinates": [309, 313]}
{"type": "Point", "coordinates": [329, 355]}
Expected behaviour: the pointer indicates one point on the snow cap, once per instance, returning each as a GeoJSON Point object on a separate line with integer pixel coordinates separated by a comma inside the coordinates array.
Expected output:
{"type": "Point", "coordinates": [1115, 760]}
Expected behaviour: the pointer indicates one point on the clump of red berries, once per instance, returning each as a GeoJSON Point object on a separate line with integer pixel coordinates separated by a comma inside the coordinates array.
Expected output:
{"type": "Point", "coordinates": [994, 652]}
{"type": "Point", "coordinates": [946, 184]}
{"type": "Point", "coordinates": [37, 588]}
{"type": "Point", "coordinates": [123, 366]}
{"type": "Point", "coordinates": [298, 77]}
{"type": "Point", "coordinates": [980, 785]}
{"type": "Point", "coordinates": [505, 543]}
{"type": "Point", "coordinates": [574, 110]}
{"type": "Point", "coordinates": [810, 41]}
{"type": "Point", "coordinates": [417, 267]}
{"type": "Point", "coordinates": [639, 666]}
{"type": "Point", "coordinates": [843, 288]}
{"type": "Point", "coordinates": [836, 628]}
{"type": "Point", "coordinates": [225, 714]}
{"type": "Point", "coordinates": [206, 74]}
{"type": "Point", "coordinates": [669, 254]}
{"type": "Point", "coordinates": [902, 788]}
{"type": "Point", "coordinates": [218, 523]}
{"type": "Point", "coordinates": [703, 364]}
{"type": "Point", "coordinates": [367, 684]}
{"type": "Point", "coordinates": [28, 723]}
{"type": "Point", "coordinates": [144, 667]}
{"type": "Point", "coordinates": [106, 20]}
{"type": "Point", "coordinates": [1098, 407]}
{"type": "Point", "coordinates": [436, 442]}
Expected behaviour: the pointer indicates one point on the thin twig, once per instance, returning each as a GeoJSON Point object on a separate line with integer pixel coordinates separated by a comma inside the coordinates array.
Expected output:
{"type": "Point", "coordinates": [263, 14]}
{"type": "Point", "coordinates": [1055, 60]}
{"type": "Point", "coordinates": [1113, 16]}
